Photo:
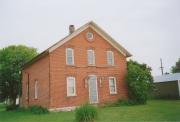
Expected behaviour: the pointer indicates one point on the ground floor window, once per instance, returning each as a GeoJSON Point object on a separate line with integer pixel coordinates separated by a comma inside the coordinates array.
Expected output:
{"type": "Point", "coordinates": [112, 85]}
{"type": "Point", "coordinates": [36, 89]}
{"type": "Point", "coordinates": [71, 88]}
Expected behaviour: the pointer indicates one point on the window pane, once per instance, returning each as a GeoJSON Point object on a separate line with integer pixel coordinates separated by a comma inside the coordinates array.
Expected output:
{"type": "Point", "coordinates": [112, 83]}
{"type": "Point", "coordinates": [71, 90]}
{"type": "Point", "coordinates": [112, 89]}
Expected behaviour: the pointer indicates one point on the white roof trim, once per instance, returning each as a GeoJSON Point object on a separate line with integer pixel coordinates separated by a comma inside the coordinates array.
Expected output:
{"type": "Point", "coordinates": [107, 39]}
{"type": "Point", "coordinates": [96, 28]}
{"type": "Point", "coordinates": [61, 42]}
{"type": "Point", "coordinates": [166, 78]}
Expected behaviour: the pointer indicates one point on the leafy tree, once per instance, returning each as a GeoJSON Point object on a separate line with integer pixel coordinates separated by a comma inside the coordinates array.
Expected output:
{"type": "Point", "coordinates": [12, 58]}
{"type": "Point", "coordinates": [176, 68]}
{"type": "Point", "coordinates": [139, 81]}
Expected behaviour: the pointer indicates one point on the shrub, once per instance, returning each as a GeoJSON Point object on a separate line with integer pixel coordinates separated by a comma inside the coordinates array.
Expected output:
{"type": "Point", "coordinates": [86, 113]}
{"type": "Point", "coordinates": [139, 82]}
{"type": "Point", "coordinates": [11, 107]}
{"type": "Point", "coordinates": [37, 110]}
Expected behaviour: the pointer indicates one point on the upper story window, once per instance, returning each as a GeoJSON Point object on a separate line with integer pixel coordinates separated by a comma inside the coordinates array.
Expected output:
{"type": "Point", "coordinates": [71, 88]}
{"type": "Point", "coordinates": [36, 89]}
{"type": "Point", "coordinates": [112, 85]}
{"type": "Point", "coordinates": [69, 56]}
{"type": "Point", "coordinates": [89, 36]}
{"type": "Point", "coordinates": [91, 57]}
{"type": "Point", "coordinates": [110, 58]}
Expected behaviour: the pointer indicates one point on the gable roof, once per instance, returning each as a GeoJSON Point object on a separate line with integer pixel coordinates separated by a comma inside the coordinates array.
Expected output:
{"type": "Point", "coordinates": [97, 29]}
{"type": "Point", "coordinates": [166, 78]}
{"type": "Point", "coordinates": [92, 25]}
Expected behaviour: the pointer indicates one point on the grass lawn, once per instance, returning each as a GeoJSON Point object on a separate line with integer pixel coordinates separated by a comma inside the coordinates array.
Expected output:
{"type": "Point", "coordinates": [154, 110]}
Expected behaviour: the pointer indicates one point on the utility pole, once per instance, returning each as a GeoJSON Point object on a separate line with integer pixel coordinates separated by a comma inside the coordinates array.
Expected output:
{"type": "Point", "coordinates": [161, 66]}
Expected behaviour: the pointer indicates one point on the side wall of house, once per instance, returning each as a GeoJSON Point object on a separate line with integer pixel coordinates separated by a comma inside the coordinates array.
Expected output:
{"type": "Point", "coordinates": [39, 71]}
{"type": "Point", "coordinates": [59, 71]}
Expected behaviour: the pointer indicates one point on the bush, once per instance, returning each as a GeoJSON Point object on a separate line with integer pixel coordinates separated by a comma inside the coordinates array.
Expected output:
{"type": "Point", "coordinates": [139, 81]}
{"type": "Point", "coordinates": [11, 107]}
{"type": "Point", "coordinates": [86, 113]}
{"type": "Point", "coordinates": [37, 110]}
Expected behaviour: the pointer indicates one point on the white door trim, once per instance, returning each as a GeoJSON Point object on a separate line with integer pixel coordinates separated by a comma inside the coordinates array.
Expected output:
{"type": "Point", "coordinates": [96, 89]}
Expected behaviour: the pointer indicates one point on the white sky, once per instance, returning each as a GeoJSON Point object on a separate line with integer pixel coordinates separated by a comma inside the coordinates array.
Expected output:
{"type": "Point", "coordinates": [149, 29]}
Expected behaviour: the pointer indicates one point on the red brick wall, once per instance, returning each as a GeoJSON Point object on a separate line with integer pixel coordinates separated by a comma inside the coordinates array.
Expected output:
{"type": "Point", "coordinates": [53, 69]}
{"type": "Point", "coordinates": [38, 71]}
{"type": "Point", "coordinates": [59, 71]}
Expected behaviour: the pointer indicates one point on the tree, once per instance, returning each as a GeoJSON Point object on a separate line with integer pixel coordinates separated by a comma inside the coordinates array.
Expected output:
{"type": "Point", "coordinates": [176, 68]}
{"type": "Point", "coordinates": [139, 81]}
{"type": "Point", "coordinates": [12, 58]}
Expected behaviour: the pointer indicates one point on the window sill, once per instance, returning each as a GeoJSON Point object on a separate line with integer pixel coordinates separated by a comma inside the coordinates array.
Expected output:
{"type": "Point", "coordinates": [73, 65]}
{"type": "Point", "coordinates": [71, 96]}
{"type": "Point", "coordinates": [111, 65]}
{"type": "Point", "coordinates": [91, 65]}
{"type": "Point", "coordinates": [114, 93]}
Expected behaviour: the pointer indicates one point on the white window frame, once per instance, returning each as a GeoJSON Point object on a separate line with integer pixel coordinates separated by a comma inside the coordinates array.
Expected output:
{"type": "Point", "coordinates": [36, 90]}
{"type": "Point", "coordinates": [108, 58]}
{"type": "Point", "coordinates": [69, 49]}
{"type": "Point", "coordinates": [114, 78]}
{"type": "Point", "coordinates": [74, 84]}
{"type": "Point", "coordinates": [91, 61]}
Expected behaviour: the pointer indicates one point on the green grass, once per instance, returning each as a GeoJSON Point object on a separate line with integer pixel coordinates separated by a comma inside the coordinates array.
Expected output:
{"type": "Point", "coordinates": [154, 110]}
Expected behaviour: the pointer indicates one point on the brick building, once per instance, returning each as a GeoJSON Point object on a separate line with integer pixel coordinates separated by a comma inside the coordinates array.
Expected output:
{"type": "Point", "coordinates": [86, 66]}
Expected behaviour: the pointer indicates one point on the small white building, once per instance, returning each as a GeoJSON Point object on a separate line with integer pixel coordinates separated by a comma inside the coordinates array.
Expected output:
{"type": "Point", "coordinates": [167, 86]}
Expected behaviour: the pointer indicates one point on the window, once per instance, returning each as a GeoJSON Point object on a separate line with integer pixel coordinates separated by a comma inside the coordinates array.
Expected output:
{"type": "Point", "coordinates": [69, 56]}
{"type": "Point", "coordinates": [110, 58]}
{"type": "Point", "coordinates": [91, 57]}
{"type": "Point", "coordinates": [71, 90]}
{"type": "Point", "coordinates": [89, 36]}
{"type": "Point", "coordinates": [112, 85]}
{"type": "Point", "coordinates": [36, 89]}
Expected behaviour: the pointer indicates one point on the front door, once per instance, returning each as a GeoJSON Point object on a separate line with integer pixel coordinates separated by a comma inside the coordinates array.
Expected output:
{"type": "Point", "coordinates": [93, 90]}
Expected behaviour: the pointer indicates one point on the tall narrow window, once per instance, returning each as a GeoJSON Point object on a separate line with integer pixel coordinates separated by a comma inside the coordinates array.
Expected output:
{"type": "Point", "coordinates": [27, 90]}
{"type": "Point", "coordinates": [69, 56]}
{"type": "Point", "coordinates": [110, 58]}
{"type": "Point", "coordinates": [112, 85]}
{"type": "Point", "coordinates": [36, 89]}
{"type": "Point", "coordinates": [71, 87]}
{"type": "Point", "coordinates": [91, 57]}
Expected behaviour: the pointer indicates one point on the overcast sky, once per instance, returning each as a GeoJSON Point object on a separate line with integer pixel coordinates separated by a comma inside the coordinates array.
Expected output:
{"type": "Point", "coordinates": [149, 29]}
